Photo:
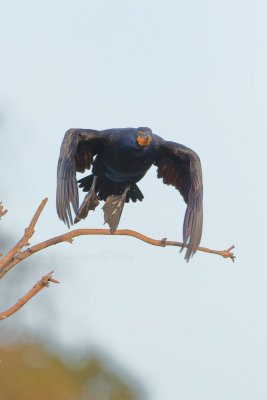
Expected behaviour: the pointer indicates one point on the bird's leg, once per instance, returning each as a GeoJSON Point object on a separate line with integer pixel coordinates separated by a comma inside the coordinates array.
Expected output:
{"type": "Point", "coordinates": [90, 203]}
{"type": "Point", "coordinates": [113, 208]}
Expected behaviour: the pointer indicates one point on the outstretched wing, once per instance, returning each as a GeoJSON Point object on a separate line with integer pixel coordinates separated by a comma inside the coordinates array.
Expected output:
{"type": "Point", "coordinates": [76, 154]}
{"type": "Point", "coordinates": [180, 166]}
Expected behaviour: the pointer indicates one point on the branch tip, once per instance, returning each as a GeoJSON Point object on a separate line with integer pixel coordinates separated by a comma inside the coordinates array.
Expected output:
{"type": "Point", "coordinates": [231, 248]}
{"type": "Point", "coordinates": [2, 211]}
{"type": "Point", "coordinates": [53, 280]}
{"type": "Point", "coordinates": [228, 254]}
{"type": "Point", "coordinates": [47, 278]}
{"type": "Point", "coordinates": [44, 282]}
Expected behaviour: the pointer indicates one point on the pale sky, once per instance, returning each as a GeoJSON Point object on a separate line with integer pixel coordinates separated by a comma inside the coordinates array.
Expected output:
{"type": "Point", "coordinates": [195, 72]}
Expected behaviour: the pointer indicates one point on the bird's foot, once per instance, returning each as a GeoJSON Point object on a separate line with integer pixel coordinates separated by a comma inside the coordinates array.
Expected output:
{"type": "Point", "coordinates": [113, 209]}
{"type": "Point", "coordinates": [90, 203]}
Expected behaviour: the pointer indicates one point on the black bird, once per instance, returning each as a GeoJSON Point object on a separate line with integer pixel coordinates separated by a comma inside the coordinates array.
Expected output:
{"type": "Point", "coordinates": [119, 158]}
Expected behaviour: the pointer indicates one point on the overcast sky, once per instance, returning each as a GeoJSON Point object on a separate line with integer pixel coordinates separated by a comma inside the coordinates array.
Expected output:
{"type": "Point", "coordinates": [195, 72]}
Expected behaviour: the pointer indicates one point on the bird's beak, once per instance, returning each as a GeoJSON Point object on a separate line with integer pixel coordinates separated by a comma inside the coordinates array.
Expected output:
{"type": "Point", "coordinates": [144, 139]}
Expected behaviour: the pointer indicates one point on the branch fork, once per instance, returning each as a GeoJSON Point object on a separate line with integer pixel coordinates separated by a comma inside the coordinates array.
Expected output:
{"type": "Point", "coordinates": [42, 283]}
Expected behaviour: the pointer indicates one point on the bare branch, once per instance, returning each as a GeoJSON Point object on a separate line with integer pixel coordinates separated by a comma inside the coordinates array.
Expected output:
{"type": "Point", "coordinates": [2, 211]}
{"type": "Point", "coordinates": [15, 255]}
{"type": "Point", "coordinates": [44, 282]}
{"type": "Point", "coordinates": [24, 241]}
{"type": "Point", "coordinates": [68, 237]}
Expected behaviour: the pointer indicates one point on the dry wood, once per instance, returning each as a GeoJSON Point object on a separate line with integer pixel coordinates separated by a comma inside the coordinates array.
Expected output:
{"type": "Point", "coordinates": [2, 211]}
{"type": "Point", "coordinates": [24, 241]}
{"type": "Point", "coordinates": [15, 255]}
{"type": "Point", "coordinates": [44, 282]}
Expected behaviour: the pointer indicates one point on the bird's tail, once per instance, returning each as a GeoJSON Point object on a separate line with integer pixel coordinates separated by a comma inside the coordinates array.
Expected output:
{"type": "Point", "coordinates": [105, 187]}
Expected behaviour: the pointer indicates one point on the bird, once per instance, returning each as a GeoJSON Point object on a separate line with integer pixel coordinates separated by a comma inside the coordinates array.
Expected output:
{"type": "Point", "coordinates": [118, 160]}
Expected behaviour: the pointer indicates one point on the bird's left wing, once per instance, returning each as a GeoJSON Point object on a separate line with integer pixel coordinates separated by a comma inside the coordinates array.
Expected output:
{"type": "Point", "coordinates": [76, 154]}
{"type": "Point", "coordinates": [180, 166]}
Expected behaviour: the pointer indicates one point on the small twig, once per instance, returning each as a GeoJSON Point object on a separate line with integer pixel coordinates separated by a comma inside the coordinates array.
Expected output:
{"type": "Point", "coordinates": [44, 282]}
{"type": "Point", "coordinates": [224, 253]}
{"type": "Point", "coordinates": [2, 212]}
{"type": "Point", "coordinates": [24, 241]}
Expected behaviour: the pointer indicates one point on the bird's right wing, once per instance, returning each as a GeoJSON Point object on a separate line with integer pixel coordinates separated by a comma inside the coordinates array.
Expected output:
{"type": "Point", "coordinates": [180, 167]}
{"type": "Point", "coordinates": [78, 148]}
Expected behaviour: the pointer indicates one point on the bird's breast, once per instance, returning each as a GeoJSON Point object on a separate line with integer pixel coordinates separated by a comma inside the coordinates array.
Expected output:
{"type": "Point", "coordinates": [127, 163]}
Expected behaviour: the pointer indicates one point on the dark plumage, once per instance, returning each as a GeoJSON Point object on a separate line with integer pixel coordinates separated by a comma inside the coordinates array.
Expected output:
{"type": "Point", "coordinates": [118, 159]}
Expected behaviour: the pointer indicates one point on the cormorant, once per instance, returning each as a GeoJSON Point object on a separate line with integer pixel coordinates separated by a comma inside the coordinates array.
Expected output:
{"type": "Point", "coordinates": [119, 158]}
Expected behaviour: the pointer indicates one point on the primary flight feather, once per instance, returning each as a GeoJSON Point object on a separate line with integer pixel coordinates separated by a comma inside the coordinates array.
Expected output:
{"type": "Point", "coordinates": [118, 159]}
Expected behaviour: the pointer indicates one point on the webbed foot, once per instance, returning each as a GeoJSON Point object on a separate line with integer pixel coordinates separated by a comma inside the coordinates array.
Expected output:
{"type": "Point", "coordinates": [90, 203]}
{"type": "Point", "coordinates": [113, 209]}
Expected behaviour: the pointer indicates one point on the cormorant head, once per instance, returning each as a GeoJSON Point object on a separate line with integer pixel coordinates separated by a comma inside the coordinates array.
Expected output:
{"type": "Point", "coordinates": [144, 136]}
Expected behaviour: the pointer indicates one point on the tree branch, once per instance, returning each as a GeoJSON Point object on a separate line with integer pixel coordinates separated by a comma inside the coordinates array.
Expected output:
{"type": "Point", "coordinates": [15, 255]}
{"type": "Point", "coordinates": [24, 241]}
{"type": "Point", "coordinates": [2, 212]}
{"type": "Point", "coordinates": [44, 282]}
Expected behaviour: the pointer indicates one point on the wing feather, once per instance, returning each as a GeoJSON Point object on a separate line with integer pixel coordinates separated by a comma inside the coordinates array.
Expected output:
{"type": "Point", "coordinates": [76, 154]}
{"type": "Point", "coordinates": [180, 167]}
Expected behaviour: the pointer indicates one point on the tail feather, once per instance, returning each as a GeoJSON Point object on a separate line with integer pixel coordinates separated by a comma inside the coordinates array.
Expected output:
{"type": "Point", "coordinates": [134, 193]}
{"type": "Point", "coordinates": [86, 183]}
{"type": "Point", "coordinates": [105, 187]}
